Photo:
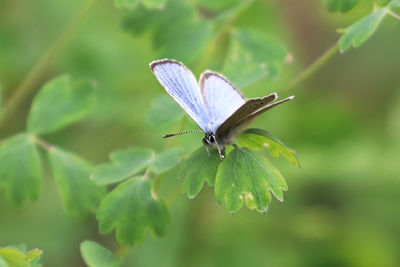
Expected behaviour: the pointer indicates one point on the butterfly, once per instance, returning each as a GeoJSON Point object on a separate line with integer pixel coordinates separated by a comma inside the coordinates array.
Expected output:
{"type": "Point", "coordinates": [218, 108]}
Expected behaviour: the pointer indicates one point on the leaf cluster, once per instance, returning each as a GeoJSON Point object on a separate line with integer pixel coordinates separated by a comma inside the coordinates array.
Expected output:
{"type": "Point", "coordinates": [132, 207]}
{"type": "Point", "coordinates": [245, 176]}
{"type": "Point", "coordinates": [359, 32]}
{"type": "Point", "coordinates": [96, 255]}
{"type": "Point", "coordinates": [20, 257]}
{"type": "Point", "coordinates": [194, 29]}
{"type": "Point", "coordinates": [59, 103]}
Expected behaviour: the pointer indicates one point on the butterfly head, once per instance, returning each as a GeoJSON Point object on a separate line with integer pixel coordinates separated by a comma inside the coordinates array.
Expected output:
{"type": "Point", "coordinates": [209, 139]}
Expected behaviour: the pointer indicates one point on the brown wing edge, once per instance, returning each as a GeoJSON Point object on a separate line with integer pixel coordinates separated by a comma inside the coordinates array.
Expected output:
{"type": "Point", "coordinates": [248, 108]}
{"type": "Point", "coordinates": [154, 63]}
{"type": "Point", "coordinates": [207, 73]}
{"type": "Point", "coordinates": [262, 110]}
{"type": "Point", "coordinates": [234, 129]}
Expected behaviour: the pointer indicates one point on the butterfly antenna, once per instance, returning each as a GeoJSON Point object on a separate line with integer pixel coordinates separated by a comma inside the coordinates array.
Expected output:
{"type": "Point", "coordinates": [185, 132]}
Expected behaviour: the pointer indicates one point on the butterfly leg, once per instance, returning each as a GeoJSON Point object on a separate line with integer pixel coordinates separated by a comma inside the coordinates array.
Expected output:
{"type": "Point", "coordinates": [208, 151]}
{"type": "Point", "coordinates": [221, 151]}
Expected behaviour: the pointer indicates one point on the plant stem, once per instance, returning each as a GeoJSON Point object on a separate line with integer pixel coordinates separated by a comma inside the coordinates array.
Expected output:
{"type": "Point", "coordinates": [34, 75]}
{"type": "Point", "coordinates": [41, 142]}
{"type": "Point", "coordinates": [391, 13]}
{"type": "Point", "coordinates": [316, 65]}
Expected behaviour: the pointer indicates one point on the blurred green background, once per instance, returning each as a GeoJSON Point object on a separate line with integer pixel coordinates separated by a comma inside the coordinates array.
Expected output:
{"type": "Point", "coordinates": [342, 207]}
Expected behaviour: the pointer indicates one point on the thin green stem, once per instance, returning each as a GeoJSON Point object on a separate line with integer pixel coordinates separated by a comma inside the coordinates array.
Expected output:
{"type": "Point", "coordinates": [146, 174]}
{"type": "Point", "coordinates": [27, 85]}
{"type": "Point", "coordinates": [41, 142]}
{"type": "Point", "coordinates": [315, 66]}
{"type": "Point", "coordinates": [394, 15]}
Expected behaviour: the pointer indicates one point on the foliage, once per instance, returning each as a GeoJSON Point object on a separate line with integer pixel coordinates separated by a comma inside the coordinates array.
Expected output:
{"type": "Point", "coordinates": [243, 176]}
{"type": "Point", "coordinates": [124, 164]}
{"type": "Point", "coordinates": [60, 103]}
{"type": "Point", "coordinates": [163, 112]}
{"type": "Point", "coordinates": [20, 170]}
{"type": "Point", "coordinates": [197, 169]}
{"type": "Point", "coordinates": [131, 4]}
{"type": "Point", "coordinates": [381, 3]}
{"type": "Point", "coordinates": [252, 57]}
{"type": "Point", "coordinates": [96, 255]}
{"type": "Point", "coordinates": [340, 5]}
{"type": "Point", "coordinates": [18, 257]}
{"type": "Point", "coordinates": [246, 176]}
{"type": "Point", "coordinates": [394, 3]}
{"type": "Point", "coordinates": [186, 34]}
{"type": "Point", "coordinates": [362, 30]}
{"type": "Point", "coordinates": [220, 35]}
{"type": "Point", "coordinates": [128, 162]}
{"type": "Point", "coordinates": [131, 208]}
{"type": "Point", "coordinates": [166, 160]}
{"type": "Point", "coordinates": [217, 5]}
{"type": "Point", "coordinates": [80, 195]}
{"type": "Point", "coordinates": [260, 139]}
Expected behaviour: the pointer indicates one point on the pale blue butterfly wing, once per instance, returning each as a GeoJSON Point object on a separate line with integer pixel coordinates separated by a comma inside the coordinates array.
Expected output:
{"type": "Point", "coordinates": [181, 84]}
{"type": "Point", "coordinates": [215, 105]}
{"type": "Point", "coordinates": [220, 97]}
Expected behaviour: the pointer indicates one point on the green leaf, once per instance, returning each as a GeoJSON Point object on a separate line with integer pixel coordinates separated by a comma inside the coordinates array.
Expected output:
{"type": "Point", "coordinates": [131, 208]}
{"type": "Point", "coordinates": [166, 160]}
{"type": "Point", "coordinates": [197, 169]}
{"type": "Point", "coordinates": [253, 56]}
{"type": "Point", "coordinates": [33, 254]}
{"type": "Point", "coordinates": [185, 41]}
{"type": "Point", "coordinates": [340, 5]}
{"type": "Point", "coordinates": [132, 4]}
{"type": "Point", "coordinates": [142, 20]}
{"type": "Point", "coordinates": [359, 32]}
{"type": "Point", "coordinates": [163, 112]}
{"type": "Point", "coordinates": [59, 103]}
{"type": "Point", "coordinates": [153, 3]}
{"type": "Point", "coordinates": [382, 3]}
{"type": "Point", "coordinates": [12, 257]}
{"type": "Point", "coordinates": [259, 139]}
{"type": "Point", "coordinates": [96, 255]}
{"type": "Point", "coordinates": [186, 36]}
{"type": "Point", "coordinates": [246, 175]}
{"type": "Point", "coordinates": [3, 262]}
{"type": "Point", "coordinates": [217, 5]}
{"type": "Point", "coordinates": [394, 3]}
{"type": "Point", "coordinates": [20, 170]}
{"type": "Point", "coordinates": [80, 195]}
{"type": "Point", "coordinates": [124, 164]}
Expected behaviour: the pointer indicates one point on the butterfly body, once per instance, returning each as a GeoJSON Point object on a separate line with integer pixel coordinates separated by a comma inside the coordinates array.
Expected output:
{"type": "Point", "coordinates": [213, 103]}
